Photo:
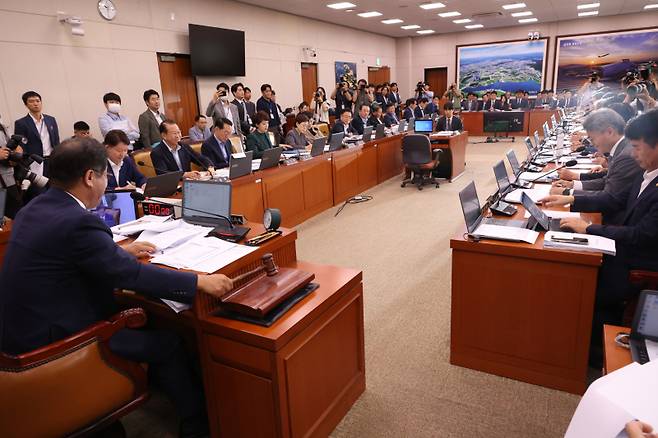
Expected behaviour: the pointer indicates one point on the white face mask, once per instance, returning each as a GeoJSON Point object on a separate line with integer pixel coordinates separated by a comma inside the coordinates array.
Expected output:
{"type": "Point", "coordinates": [114, 107]}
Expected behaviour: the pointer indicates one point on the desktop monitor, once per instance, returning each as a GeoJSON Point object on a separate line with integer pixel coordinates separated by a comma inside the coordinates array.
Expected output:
{"type": "Point", "coordinates": [513, 161]}
{"type": "Point", "coordinates": [501, 177]}
{"type": "Point", "coordinates": [116, 208]}
{"type": "Point", "coordinates": [470, 203]}
{"type": "Point", "coordinates": [423, 126]}
{"type": "Point", "coordinates": [206, 200]}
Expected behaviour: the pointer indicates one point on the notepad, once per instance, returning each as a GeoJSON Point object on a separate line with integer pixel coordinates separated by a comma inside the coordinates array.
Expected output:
{"type": "Point", "coordinates": [594, 243]}
{"type": "Point", "coordinates": [538, 192]}
{"type": "Point", "coordinates": [513, 234]}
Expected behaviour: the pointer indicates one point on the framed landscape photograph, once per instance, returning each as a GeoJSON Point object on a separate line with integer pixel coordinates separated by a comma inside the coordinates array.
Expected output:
{"type": "Point", "coordinates": [346, 71]}
{"type": "Point", "coordinates": [609, 54]}
{"type": "Point", "coordinates": [504, 66]}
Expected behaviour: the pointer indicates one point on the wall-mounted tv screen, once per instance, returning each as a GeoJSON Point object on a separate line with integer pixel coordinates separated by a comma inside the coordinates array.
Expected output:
{"type": "Point", "coordinates": [216, 52]}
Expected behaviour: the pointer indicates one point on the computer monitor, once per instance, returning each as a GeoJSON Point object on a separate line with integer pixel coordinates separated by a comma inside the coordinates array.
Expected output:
{"type": "Point", "coordinates": [423, 126]}
{"type": "Point", "coordinates": [547, 133]}
{"type": "Point", "coordinates": [204, 200]}
{"type": "Point", "coordinates": [116, 208]}
{"type": "Point", "coordinates": [513, 161]}
{"type": "Point", "coordinates": [528, 145]}
{"type": "Point", "coordinates": [537, 142]}
{"type": "Point", "coordinates": [502, 179]}
{"type": "Point", "coordinates": [645, 322]}
{"type": "Point", "coordinates": [470, 203]}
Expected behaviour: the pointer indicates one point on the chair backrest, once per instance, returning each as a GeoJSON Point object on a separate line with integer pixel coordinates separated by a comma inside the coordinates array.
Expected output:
{"type": "Point", "coordinates": [272, 138]}
{"type": "Point", "coordinates": [323, 128]}
{"type": "Point", "coordinates": [236, 143]}
{"type": "Point", "coordinates": [416, 149]}
{"type": "Point", "coordinates": [145, 157]}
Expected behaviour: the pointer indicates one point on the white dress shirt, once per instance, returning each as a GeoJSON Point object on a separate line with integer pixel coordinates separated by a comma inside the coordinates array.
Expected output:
{"type": "Point", "coordinates": [174, 152]}
{"type": "Point", "coordinates": [116, 168]}
{"type": "Point", "coordinates": [157, 115]}
{"type": "Point", "coordinates": [229, 115]}
{"type": "Point", "coordinates": [648, 177]}
{"type": "Point", "coordinates": [42, 128]}
{"type": "Point", "coordinates": [578, 185]}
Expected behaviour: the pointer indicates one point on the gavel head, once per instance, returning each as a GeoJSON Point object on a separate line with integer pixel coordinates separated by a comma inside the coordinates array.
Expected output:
{"type": "Point", "coordinates": [269, 265]}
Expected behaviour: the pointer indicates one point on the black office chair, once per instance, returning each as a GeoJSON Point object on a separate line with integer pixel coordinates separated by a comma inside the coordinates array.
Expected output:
{"type": "Point", "coordinates": [419, 160]}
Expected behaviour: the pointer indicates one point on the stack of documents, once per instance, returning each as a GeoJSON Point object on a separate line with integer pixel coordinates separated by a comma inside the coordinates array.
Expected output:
{"type": "Point", "coordinates": [512, 234]}
{"type": "Point", "coordinates": [176, 233]}
{"type": "Point", "coordinates": [594, 243]}
{"type": "Point", "coordinates": [143, 223]}
{"type": "Point", "coordinates": [538, 192]}
{"type": "Point", "coordinates": [221, 173]}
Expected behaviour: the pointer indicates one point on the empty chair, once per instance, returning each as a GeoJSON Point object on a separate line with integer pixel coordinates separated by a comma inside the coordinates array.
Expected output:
{"type": "Point", "coordinates": [419, 160]}
{"type": "Point", "coordinates": [144, 156]}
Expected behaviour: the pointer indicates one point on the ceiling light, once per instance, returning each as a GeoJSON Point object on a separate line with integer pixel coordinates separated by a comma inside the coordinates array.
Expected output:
{"type": "Point", "coordinates": [410, 27]}
{"type": "Point", "coordinates": [369, 14]}
{"type": "Point", "coordinates": [514, 6]}
{"type": "Point", "coordinates": [425, 32]}
{"type": "Point", "coordinates": [341, 5]}
{"type": "Point", "coordinates": [521, 14]}
{"type": "Point", "coordinates": [449, 14]}
{"type": "Point", "coordinates": [462, 21]}
{"type": "Point", "coordinates": [589, 6]}
{"type": "Point", "coordinates": [587, 14]}
{"type": "Point", "coordinates": [473, 26]}
{"type": "Point", "coordinates": [393, 21]}
{"type": "Point", "coordinates": [528, 20]}
{"type": "Point", "coordinates": [651, 6]}
{"type": "Point", "coordinates": [436, 5]}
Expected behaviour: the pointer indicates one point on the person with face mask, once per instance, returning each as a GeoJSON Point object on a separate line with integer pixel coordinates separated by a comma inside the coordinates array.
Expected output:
{"type": "Point", "coordinates": [113, 119]}
{"type": "Point", "coordinates": [220, 107]}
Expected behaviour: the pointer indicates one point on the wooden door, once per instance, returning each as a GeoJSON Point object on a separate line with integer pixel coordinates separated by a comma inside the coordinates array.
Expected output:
{"type": "Point", "coordinates": [179, 94]}
{"type": "Point", "coordinates": [309, 81]}
{"type": "Point", "coordinates": [379, 75]}
{"type": "Point", "coordinates": [438, 79]}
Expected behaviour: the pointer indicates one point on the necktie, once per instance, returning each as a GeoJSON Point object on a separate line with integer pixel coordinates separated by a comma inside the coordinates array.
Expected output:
{"type": "Point", "coordinates": [222, 148]}
{"type": "Point", "coordinates": [449, 125]}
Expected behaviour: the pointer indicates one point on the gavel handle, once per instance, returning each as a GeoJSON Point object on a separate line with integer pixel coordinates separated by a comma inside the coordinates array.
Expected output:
{"type": "Point", "coordinates": [248, 274]}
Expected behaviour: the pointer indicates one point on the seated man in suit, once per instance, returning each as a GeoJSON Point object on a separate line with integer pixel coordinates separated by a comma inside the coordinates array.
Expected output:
{"type": "Point", "coordinates": [170, 155]}
{"type": "Point", "coordinates": [112, 119]}
{"type": "Point", "coordinates": [220, 107]}
{"type": "Point", "coordinates": [470, 103]}
{"type": "Point", "coordinates": [518, 101]}
{"type": "Point", "coordinates": [149, 121]}
{"type": "Point", "coordinates": [60, 274]}
{"type": "Point", "coordinates": [390, 118]}
{"type": "Point", "coordinates": [449, 122]}
{"type": "Point", "coordinates": [552, 101]}
{"type": "Point", "coordinates": [200, 131]}
{"type": "Point", "coordinates": [217, 148]}
{"type": "Point", "coordinates": [376, 116]}
{"type": "Point", "coordinates": [568, 101]}
{"type": "Point", "coordinates": [344, 123]}
{"type": "Point", "coordinates": [636, 236]}
{"type": "Point", "coordinates": [81, 129]}
{"type": "Point", "coordinates": [410, 110]}
{"type": "Point", "coordinates": [361, 120]}
{"type": "Point", "coordinates": [121, 171]}
{"type": "Point", "coordinates": [421, 111]}
{"type": "Point", "coordinates": [487, 103]}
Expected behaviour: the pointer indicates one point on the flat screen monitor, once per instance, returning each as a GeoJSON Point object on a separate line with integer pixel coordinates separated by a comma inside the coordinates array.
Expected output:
{"type": "Point", "coordinates": [504, 121]}
{"type": "Point", "coordinates": [423, 126]}
{"type": "Point", "coordinates": [646, 319]}
{"type": "Point", "coordinates": [116, 208]}
{"type": "Point", "coordinates": [470, 203]}
{"type": "Point", "coordinates": [216, 52]}
{"type": "Point", "coordinates": [206, 199]}
{"type": "Point", "coordinates": [501, 177]}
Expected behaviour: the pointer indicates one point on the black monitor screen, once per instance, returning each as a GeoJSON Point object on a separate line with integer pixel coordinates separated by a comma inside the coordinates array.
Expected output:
{"type": "Point", "coordinates": [216, 52]}
{"type": "Point", "coordinates": [468, 198]}
{"type": "Point", "coordinates": [513, 162]}
{"type": "Point", "coordinates": [501, 176]}
{"type": "Point", "coordinates": [647, 320]}
{"type": "Point", "coordinates": [503, 121]}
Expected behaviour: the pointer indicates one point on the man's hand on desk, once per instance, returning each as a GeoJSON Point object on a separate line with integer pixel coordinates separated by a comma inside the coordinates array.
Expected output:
{"type": "Point", "coordinates": [596, 169]}
{"type": "Point", "coordinates": [638, 429]}
{"type": "Point", "coordinates": [563, 184]}
{"type": "Point", "coordinates": [192, 175]}
{"type": "Point", "coordinates": [215, 284]}
{"type": "Point", "coordinates": [140, 249]}
{"type": "Point", "coordinates": [556, 200]}
{"type": "Point", "coordinates": [600, 160]}
{"type": "Point", "coordinates": [575, 223]}
{"type": "Point", "coordinates": [567, 174]}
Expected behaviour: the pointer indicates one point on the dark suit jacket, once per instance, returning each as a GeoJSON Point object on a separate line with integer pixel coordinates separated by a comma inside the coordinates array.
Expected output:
{"type": "Point", "coordinates": [244, 124]}
{"type": "Point", "coordinates": [339, 127]}
{"type": "Point", "coordinates": [372, 121]}
{"type": "Point", "coordinates": [519, 103]}
{"type": "Point", "coordinates": [573, 102]}
{"type": "Point", "coordinates": [468, 105]}
{"type": "Point", "coordinates": [395, 98]}
{"type": "Point", "coordinates": [127, 173]}
{"type": "Point", "coordinates": [408, 114]}
{"type": "Point", "coordinates": [270, 108]}
{"type": "Point", "coordinates": [420, 113]}
{"type": "Point", "coordinates": [149, 128]}
{"type": "Point", "coordinates": [357, 124]}
{"type": "Point", "coordinates": [455, 124]}
{"type": "Point", "coordinates": [211, 150]}
{"type": "Point", "coordinates": [163, 159]}
{"type": "Point", "coordinates": [487, 106]}
{"type": "Point", "coordinates": [28, 129]}
{"type": "Point", "coordinates": [390, 120]}
{"type": "Point", "coordinates": [59, 274]}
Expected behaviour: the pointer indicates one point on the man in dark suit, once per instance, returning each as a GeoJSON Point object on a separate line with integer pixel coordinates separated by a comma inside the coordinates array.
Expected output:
{"type": "Point", "coordinates": [218, 147]}
{"type": "Point", "coordinates": [266, 104]}
{"type": "Point", "coordinates": [487, 104]}
{"type": "Point", "coordinates": [376, 116]}
{"type": "Point", "coordinates": [421, 111]}
{"type": "Point", "coordinates": [170, 155]}
{"type": "Point", "coordinates": [636, 237]}
{"type": "Point", "coordinates": [361, 120]}
{"type": "Point", "coordinates": [251, 107]}
{"type": "Point", "coordinates": [410, 110]}
{"type": "Point", "coordinates": [60, 274]}
{"type": "Point", "coordinates": [344, 123]}
{"type": "Point", "coordinates": [470, 103]}
{"type": "Point", "coordinates": [149, 121]}
{"type": "Point", "coordinates": [243, 111]}
{"type": "Point", "coordinates": [568, 101]}
{"type": "Point", "coordinates": [390, 118]}
{"type": "Point", "coordinates": [449, 122]}
{"type": "Point", "coordinates": [40, 129]}
{"type": "Point", "coordinates": [519, 102]}
{"type": "Point", "coordinates": [121, 170]}
{"type": "Point", "coordinates": [394, 95]}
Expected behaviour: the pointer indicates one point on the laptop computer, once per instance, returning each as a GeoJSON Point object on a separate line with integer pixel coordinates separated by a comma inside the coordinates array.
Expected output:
{"type": "Point", "coordinates": [553, 122]}
{"type": "Point", "coordinates": [116, 208]}
{"type": "Point", "coordinates": [410, 126]}
{"type": "Point", "coordinates": [547, 133]}
{"type": "Point", "coordinates": [380, 131]}
{"type": "Point", "coordinates": [270, 158]}
{"type": "Point", "coordinates": [402, 126]}
{"type": "Point", "coordinates": [367, 134]}
{"type": "Point", "coordinates": [163, 185]}
{"type": "Point", "coordinates": [203, 200]}
{"type": "Point", "coordinates": [423, 126]}
{"type": "Point", "coordinates": [529, 146]}
{"type": "Point", "coordinates": [537, 142]}
{"type": "Point", "coordinates": [516, 169]}
{"type": "Point", "coordinates": [317, 148]}
{"type": "Point", "coordinates": [538, 219]}
{"type": "Point", "coordinates": [645, 325]}
{"type": "Point", "coordinates": [336, 142]}
{"type": "Point", "coordinates": [473, 217]}
{"type": "Point", "coordinates": [240, 166]}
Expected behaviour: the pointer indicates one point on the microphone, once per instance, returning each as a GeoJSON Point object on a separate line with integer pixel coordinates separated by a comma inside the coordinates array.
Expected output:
{"type": "Point", "coordinates": [157, 169]}
{"type": "Point", "coordinates": [194, 158]}
{"type": "Point", "coordinates": [569, 163]}
{"type": "Point", "coordinates": [139, 197]}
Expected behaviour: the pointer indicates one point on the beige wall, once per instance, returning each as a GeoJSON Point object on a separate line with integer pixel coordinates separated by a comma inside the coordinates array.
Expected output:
{"type": "Point", "coordinates": [416, 54]}
{"type": "Point", "coordinates": [72, 73]}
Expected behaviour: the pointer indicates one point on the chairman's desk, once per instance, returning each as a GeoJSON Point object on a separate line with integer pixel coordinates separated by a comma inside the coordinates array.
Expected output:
{"type": "Point", "coordinates": [615, 357]}
{"type": "Point", "coordinates": [522, 311]}
{"type": "Point", "coordinates": [532, 121]}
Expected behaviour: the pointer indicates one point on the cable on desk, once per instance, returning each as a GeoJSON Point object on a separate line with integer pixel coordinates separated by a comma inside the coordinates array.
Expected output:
{"type": "Point", "coordinates": [354, 200]}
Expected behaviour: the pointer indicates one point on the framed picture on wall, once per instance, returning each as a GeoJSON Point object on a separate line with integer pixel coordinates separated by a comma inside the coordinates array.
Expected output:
{"type": "Point", "coordinates": [346, 71]}
{"type": "Point", "coordinates": [502, 66]}
{"type": "Point", "coordinates": [610, 54]}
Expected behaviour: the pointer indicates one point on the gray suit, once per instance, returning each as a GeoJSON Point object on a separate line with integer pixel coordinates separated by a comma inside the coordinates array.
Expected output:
{"type": "Point", "coordinates": [622, 171]}
{"type": "Point", "coordinates": [216, 111]}
{"type": "Point", "coordinates": [149, 128]}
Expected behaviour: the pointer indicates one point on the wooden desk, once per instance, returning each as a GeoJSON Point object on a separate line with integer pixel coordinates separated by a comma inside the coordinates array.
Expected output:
{"type": "Point", "coordinates": [614, 356]}
{"type": "Point", "coordinates": [5, 233]}
{"type": "Point", "coordinates": [522, 311]}
{"type": "Point", "coordinates": [532, 121]}
{"type": "Point", "coordinates": [453, 159]}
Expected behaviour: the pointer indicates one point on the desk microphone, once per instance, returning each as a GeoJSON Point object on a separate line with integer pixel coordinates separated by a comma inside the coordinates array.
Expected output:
{"type": "Point", "coordinates": [569, 163]}
{"type": "Point", "coordinates": [157, 169]}
{"type": "Point", "coordinates": [194, 157]}
{"type": "Point", "coordinates": [139, 197]}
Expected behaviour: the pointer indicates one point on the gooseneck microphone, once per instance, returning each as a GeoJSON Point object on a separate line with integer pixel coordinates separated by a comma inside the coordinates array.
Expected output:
{"type": "Point", "coordinates": [157, 169]}
{"type": "Point", "coordinates": [569, 163]}
{"type": "Point", "coordinates": [194, 158]}
{"type": "Point", "coordinates": [139, 197]}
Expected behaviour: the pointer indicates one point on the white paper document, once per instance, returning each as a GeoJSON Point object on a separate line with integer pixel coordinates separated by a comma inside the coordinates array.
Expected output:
{"type": "Point", "coordinates": [500, 232]}
{"type": "Point", "coordinates": [594, 243]}
{"type": "Point", "coordinates": [141, 224]}
{"type": "Point", "coordinates": [555, 214]}
{"type": "Point", "coordinates": [615, 399]}
{"type": "Point", "coordinates": [538, 192]}
{"type": "Point", "coordinates": [539, 176]}
{"type": "Point", "coordinates": [176, 306]}
{"type": "Point", "coordinates": [221, 173]}
{"type": "Point", "coordinates": [176, 235]}
{"type": "Point", "coordinates": [444, 133]}
{"type": "Point", "coordinates": [255, 164]}
{"type": "Point", "coordinates": [118, 238]}
{"type": "Point", "coordinates": [652, 349]}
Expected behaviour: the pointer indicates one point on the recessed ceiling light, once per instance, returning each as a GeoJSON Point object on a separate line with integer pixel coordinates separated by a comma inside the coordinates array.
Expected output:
{"type": "Point", "coordinates": [462, 21]}
{"type": "Point", "coordinates": [425, 32]}
{"type": "Point", "coordinates": [349, 10]}
{"type": "Point", "coordinates": [521, 14]}
{"type": "Point", "coordinates": [436, 5]}
{"type": "Point", "coordinates": [393, 21]}
{"type": "Point", "coordinates": [410, 27]}
{"type": "Point", "coordinates": [473, 26]}
{"type": "Point", "coordinates": [369, 14]}
{"type": "Point", "coordinates": [341, 5]}
{"type": "Point", "coordinates": [651, 6]}
{"type": "Point", "coordinates": [589, 6]}
{"type": "Point", "coordinates": [587, 14]}
{"type": "Point", "coordinates": [528, 20]}
{"type": "Point", "coordinates": [514, 6]}
{"type": "Point", "coordinates": [449, 14]}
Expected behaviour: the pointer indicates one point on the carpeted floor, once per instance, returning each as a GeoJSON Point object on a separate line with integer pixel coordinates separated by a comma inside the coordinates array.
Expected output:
{"type": "Point", "coordinates": [400, 240]}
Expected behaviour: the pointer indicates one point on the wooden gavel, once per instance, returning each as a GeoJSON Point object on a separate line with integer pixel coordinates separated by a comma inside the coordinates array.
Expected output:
{"type": "Point", "coordinates": [269, 267]}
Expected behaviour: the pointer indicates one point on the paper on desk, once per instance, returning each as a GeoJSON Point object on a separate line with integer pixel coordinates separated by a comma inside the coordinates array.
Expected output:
{"type": "Point", "coordinates": [536, 193]}
{"type": "Point", "coordinates": [594, 243]}
{"type": "Point", "coordinates": [444, 133]}
{"type": "Point", "coordinates": [178, 234]}
{"type": "Point", "coordinates": [615, 399]}
{"type": "Point", "coordinates": [506, 233]}
{"type": "Point", "coordinates": [221, 173]}
{"type": "Point", "coordinates": [652, 349]}
{"type": "Point", "coordinates": [176, 306]}
{"type": "Point", "coordinates": [553, 214]}
{"type": "Point", "coordinates": [118, 238]}
{"type": "Point", "coordinates": [141, 224]}
{"type": "Point", "coordinates": [255, 164]}
{"type": "Point", "coordinates": [529, 176]}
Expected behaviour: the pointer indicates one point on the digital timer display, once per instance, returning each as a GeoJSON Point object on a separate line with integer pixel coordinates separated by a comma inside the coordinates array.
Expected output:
{"type": "Point", "coordinates": [155, 209]}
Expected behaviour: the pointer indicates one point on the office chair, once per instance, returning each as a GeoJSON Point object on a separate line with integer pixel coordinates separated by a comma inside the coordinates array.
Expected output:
{"type": "Point", "coordinates": [196, 147]}
{"type": "Point", "coordinates": [145, 157]}
{"type": "Point", "coordinates": [74, 387]}
{"type": "Point", "coordinates": [323, 128]}
{"type": "Point", "coordinates": [419, 160]}
{"type": "Point", "coordinates": [236, 143]}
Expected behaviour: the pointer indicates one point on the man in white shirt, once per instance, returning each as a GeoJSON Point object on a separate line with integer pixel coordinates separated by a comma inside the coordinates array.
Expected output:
{"type": "Point", "coordinates": [149, 121]}
{"type": "Point", "coordinates": [113, 119]}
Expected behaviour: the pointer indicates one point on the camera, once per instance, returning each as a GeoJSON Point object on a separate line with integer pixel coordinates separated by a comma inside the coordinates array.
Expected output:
{"type": "Point", "coordinates": [22, 169]}
{"type": "Point", "coordinates": [317, 94]}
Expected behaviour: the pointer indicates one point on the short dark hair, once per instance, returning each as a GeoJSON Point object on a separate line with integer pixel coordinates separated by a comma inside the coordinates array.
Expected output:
{"type": "Point", "coordinates": [81, 126]}
{"type": "Point", "coordinates": [149, 93]}
{"type": "Point", "coordinates": [394, 84]}
{"type": "Point", "coordinates": [198, 116]}
{"type": "Point", "coordinates": [111, 96]}
{"type": "Point", "coordinates": [222, 122]}
{"type": "Point", "coordinates": [390, 104]}
{"type": "Point", "coordinates": [448, 106]}
{"type": "Point", "coordinates": [343, 111]}
{"type": "Point", "coordinates": [73, 158]}
{"type": "Point", "coordinates": [29, 94]}
{"type": "Point", "coordinates": [644, 127]}
{"type": "Point", "coordinates": [234, 87]}
{"type": "Point", "coordinates": [375, 107]}
{"type": "Point", "coordinates": [424, 100]}
{"type": "Point", "coordinates": [163, 126]}
{"type": "Point", "coordinates": [362, 105]}
{"type": "Point", "coordinates": [264, 87]}
{"type": "Point", "coordinates": [222, 85]}
{"type": "Point", "coordinates": [114, 137]}
{"type": "Point", "coordinates": [247, 89]}
{"type": "Point", "coordinates": [301, 118]}
{"type": "Point", "coordinates": [472, 94]}
{"type": "Point", "coordinates": [302, 105]}
{"type": "Point", "coordinates": [410, 102]}
{"type": "Point", "coordinates": [261, 116]}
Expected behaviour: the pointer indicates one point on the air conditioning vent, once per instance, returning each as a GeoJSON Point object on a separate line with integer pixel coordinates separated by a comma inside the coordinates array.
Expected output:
{"type": "Point", "coordinates": [487, 15]}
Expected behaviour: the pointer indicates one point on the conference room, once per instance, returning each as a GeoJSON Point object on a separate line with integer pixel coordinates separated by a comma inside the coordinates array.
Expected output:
{"type": "Point", "coordinates": [239, 218]}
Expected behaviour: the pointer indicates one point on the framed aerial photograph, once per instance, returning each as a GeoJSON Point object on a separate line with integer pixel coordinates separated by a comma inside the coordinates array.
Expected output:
{"type": "Point", "coordinates": [345, 71]}
{"type": "Point", "coordinates": [502, 66]}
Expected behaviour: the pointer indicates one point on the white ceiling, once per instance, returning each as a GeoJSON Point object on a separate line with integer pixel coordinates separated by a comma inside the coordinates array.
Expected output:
{"type": "Point", "coordinates": [409, 11]}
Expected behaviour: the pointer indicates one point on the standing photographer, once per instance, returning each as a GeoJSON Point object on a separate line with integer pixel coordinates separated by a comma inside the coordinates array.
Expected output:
{"type": "Point", "coordinates": [343, 97]}
{"type": "Point", "coordinates": [321, 106]}
{"type": "Point", "coordinates": [7, 180]}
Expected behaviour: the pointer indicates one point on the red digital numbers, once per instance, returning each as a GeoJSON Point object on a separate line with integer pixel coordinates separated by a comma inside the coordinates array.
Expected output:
{"type": "Point", "coordinates": [156, 209]}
